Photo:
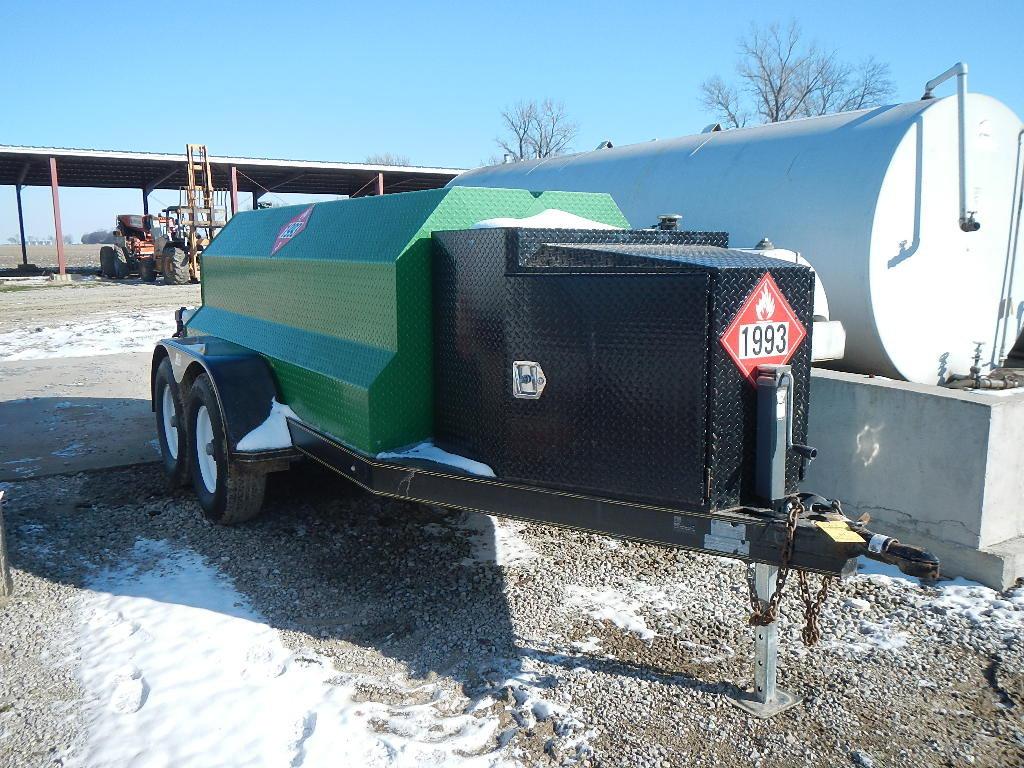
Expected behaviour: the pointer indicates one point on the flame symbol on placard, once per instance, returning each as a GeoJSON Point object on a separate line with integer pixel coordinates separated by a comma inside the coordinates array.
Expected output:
{"type": "Point", "coordinates": [765, 306]}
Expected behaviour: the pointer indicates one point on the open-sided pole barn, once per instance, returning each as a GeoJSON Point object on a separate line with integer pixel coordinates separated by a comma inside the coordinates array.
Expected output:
{"type": "Point", "coordinates": [147, 171]}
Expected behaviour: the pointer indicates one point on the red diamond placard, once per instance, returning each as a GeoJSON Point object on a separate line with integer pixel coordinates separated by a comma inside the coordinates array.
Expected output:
{"type": "Point", "coordinates": [765, 331]}
{"type": "Point", "coordinates": [295, 225]}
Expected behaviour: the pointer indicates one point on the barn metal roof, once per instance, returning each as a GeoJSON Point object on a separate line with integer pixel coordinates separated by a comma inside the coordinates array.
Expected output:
{"type": "Point", "coordinates": [156, 170]}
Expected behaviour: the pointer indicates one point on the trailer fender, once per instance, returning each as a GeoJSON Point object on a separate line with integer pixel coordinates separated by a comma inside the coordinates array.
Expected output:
{"type": "Point", "coordinates": [242, 379]}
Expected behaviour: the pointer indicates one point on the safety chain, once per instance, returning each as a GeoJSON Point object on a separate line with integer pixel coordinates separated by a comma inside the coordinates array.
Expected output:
{"type": "Point", "coordinates": [762, 614]}
{"type": "Point", "coordinates": [765, 614]}
{"type": "Point", "coordinates": [811, 633]}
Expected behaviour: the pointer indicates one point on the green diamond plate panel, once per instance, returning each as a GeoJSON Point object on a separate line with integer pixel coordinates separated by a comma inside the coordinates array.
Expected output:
{"type": "Point", "coordinates": [342, 311]}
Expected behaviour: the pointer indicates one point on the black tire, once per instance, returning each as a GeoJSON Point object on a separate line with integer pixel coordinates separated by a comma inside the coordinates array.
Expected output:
{"type": "Point", "coordinates": [147, 270]}
{"type": "Point", "coordinates": [121, 269]}
{"type": "Point", "coordinates": [234, 492]}
{"type": "Point", "coordinates": [176, 266]}
{"type": "Point", "coordinates": [174, 441]}
{"type": "Point", "coordinates": [107, 261]}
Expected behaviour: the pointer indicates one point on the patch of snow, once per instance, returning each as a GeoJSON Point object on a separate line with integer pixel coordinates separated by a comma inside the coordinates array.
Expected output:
{"type": "Point", "coordinates": [980, 604]}
{"type": "Point", "coordinates": [881, 635]}
{"type": "Point", "coordinates": [856, 603]}
{"type": "Point", "coordinates": [427, 450]}
{"type": "Point", "coordinates": [88, 336]}
{"type": "Point", "coordinates": [590, 645]}
{"type": "Point", "coordinates": [180, 670]}
{"type": "Point", "coordinates": [74, 449]}
{"type": "Point", "coordinates": [613, 606]}
{"type": "Point", "coordinates": [954, 597]}
{"type": "Point", "coordinates": [528, 687]}
{"type": "Point", "coordinates": [883, 573]}
{"type": "Point", "coordinates": [495, 540]}
{"type": "Point", "coordinates": [273, 432]}
{"type": "Point", "coordinates": [549, 218]}
{"type": "Point", "coordinates": [23, 467]}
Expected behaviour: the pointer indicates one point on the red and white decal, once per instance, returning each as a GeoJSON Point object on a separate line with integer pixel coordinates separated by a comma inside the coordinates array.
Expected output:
{"type": "Point", "coordinates": [291, 229]}
{"type": "Point", "coordinates": [765, 331]}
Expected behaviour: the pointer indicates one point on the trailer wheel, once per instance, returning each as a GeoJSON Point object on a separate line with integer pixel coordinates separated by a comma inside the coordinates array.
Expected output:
{"type": "Point", "coordinates": [121, 269]}
{"type": "Point", "coordinates": [176, 266]}
{"type": "Point", "coordinates": [228, 491]}
{"type": "Point", "coordinates": [170, 426]}
{"type": "Point", "coordinates": [107, 261]}
{"type": "Point", "coordinates": [147, 270]}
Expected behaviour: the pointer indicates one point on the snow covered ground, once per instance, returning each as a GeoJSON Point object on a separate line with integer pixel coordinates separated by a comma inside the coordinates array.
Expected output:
{"type": "Point", "coordinates": [90, 335]}
{"type": "Point", "coordinates": [180, 670]}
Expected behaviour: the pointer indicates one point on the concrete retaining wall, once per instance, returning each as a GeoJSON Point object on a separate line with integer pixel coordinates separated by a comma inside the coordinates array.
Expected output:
{"type": "Point", "coordinates": [938, 468]}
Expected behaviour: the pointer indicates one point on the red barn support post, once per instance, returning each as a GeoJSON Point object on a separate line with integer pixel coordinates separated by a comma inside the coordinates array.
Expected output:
{"type": "Point", "coordinates": [234, 191]}
{"type": "Point", "coordinates": [59, 234]}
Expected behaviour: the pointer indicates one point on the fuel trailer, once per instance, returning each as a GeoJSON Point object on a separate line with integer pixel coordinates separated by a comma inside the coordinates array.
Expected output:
{"type": "Point", "coordinates": [518, 354]}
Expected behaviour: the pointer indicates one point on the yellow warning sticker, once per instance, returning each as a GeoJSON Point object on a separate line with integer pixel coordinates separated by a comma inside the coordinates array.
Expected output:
{"type": "Point", "coordinates": [838, 530]}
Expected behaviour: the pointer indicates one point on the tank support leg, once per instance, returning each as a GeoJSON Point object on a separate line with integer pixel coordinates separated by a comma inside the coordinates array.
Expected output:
{"type": "Point", "coordinates": [767, 699]}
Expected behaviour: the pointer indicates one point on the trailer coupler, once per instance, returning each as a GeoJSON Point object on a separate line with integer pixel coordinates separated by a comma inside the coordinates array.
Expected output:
{"type": "Point", "coordinates": [912, 561]}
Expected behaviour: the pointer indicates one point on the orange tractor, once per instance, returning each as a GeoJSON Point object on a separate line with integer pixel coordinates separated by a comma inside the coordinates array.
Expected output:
{"type": "Point", "coordinates": [147, 246]}
{"type": "Point", "coordinates": [169, 244]}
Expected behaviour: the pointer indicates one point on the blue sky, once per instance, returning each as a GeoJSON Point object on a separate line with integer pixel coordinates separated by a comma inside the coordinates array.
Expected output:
{"type": "Point", "coordinates": [340, 80]}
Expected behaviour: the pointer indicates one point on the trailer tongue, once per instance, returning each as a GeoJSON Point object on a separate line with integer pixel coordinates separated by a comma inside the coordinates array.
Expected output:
{"type": "Point", "coordinates": [646, 384]}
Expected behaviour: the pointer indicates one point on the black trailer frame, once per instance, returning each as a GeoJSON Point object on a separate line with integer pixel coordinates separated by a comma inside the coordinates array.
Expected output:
{"type": "Point", "coordinates": [743, 533]}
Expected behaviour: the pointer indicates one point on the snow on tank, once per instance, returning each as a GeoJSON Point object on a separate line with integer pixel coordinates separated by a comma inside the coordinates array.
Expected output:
{"type": "Point", "coordinates": [870, 198]}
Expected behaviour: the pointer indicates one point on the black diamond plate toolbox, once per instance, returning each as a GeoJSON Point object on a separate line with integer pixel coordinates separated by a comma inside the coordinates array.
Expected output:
{"type": "Point", "coordinates": [628, 392]}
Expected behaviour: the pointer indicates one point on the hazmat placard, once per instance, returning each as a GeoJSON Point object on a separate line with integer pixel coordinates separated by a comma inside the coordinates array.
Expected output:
{"type": "Point", "coordinates": [765, 331]}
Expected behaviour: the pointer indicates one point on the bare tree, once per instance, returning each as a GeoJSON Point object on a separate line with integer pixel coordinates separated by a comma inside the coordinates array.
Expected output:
{"type": "Point", "coordinates": [535, 129]}
{"type": "Point", "coordinates": [781, 78]}
{"type": "Point", "coordinates": [387, 158]}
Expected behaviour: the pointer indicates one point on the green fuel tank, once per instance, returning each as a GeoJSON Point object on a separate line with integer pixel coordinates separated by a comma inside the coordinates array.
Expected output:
{"type": "Point", "coordinates": [337, 297]}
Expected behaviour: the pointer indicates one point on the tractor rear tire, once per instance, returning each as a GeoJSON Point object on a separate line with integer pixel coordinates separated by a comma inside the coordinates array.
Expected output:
{"type": "Point", "coordinates": [107, 262]}
{"type": "Point", "coordinates": [229, 491]}
{"type": "Point", "coordinates": [147, 270]}
{"type": "Point", "coordinates": [176, 266]}
{"type": "Point", "coordinates": [121, 269]}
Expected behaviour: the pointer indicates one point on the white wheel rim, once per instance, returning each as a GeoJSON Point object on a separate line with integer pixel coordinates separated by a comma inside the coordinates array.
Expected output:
{"type": "Point", "coordinates": [169, 422]}
{"type": "Point", "coordinates": [204, 449]}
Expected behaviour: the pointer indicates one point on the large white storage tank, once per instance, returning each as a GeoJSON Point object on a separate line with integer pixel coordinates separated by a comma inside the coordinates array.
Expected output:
{"type": "Point", "coordinates": [870, 198]}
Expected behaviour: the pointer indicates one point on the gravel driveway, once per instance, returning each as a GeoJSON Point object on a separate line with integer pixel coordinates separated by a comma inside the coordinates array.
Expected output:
{"type": "Point", "coordinates": [565, 648]}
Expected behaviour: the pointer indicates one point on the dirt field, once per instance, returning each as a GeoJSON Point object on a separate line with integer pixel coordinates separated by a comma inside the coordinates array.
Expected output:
{"type": "Point", "coordinates": [44, 256]}
{"type": "Point", "coordinates": [37, 302]}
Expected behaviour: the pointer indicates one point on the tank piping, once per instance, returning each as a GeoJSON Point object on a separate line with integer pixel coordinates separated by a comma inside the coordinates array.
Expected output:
{"type": "Point", "coordinates": [1006, 297]}
{"type": "Point", "coordinates": [968, 223]}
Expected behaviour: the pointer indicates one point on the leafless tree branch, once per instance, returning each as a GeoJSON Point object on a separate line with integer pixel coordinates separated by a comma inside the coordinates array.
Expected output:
{"type": "Point", "coordinates": [387, 158]}
{"type": "Point", "coordinates": [533, 129]}
{"type": "Point", "coordinates": [780, 78]}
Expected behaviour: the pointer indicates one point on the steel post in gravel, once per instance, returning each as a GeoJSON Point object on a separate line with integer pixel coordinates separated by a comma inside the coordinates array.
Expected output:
{"type": "Point", "coordinates": [6, 583]}
{"type": "Point", "coordinates": [766, 699]}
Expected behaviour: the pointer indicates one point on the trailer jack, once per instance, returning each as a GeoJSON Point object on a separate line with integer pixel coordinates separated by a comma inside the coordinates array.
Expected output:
{"type": "Point", "coordinates": [774, 445]}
